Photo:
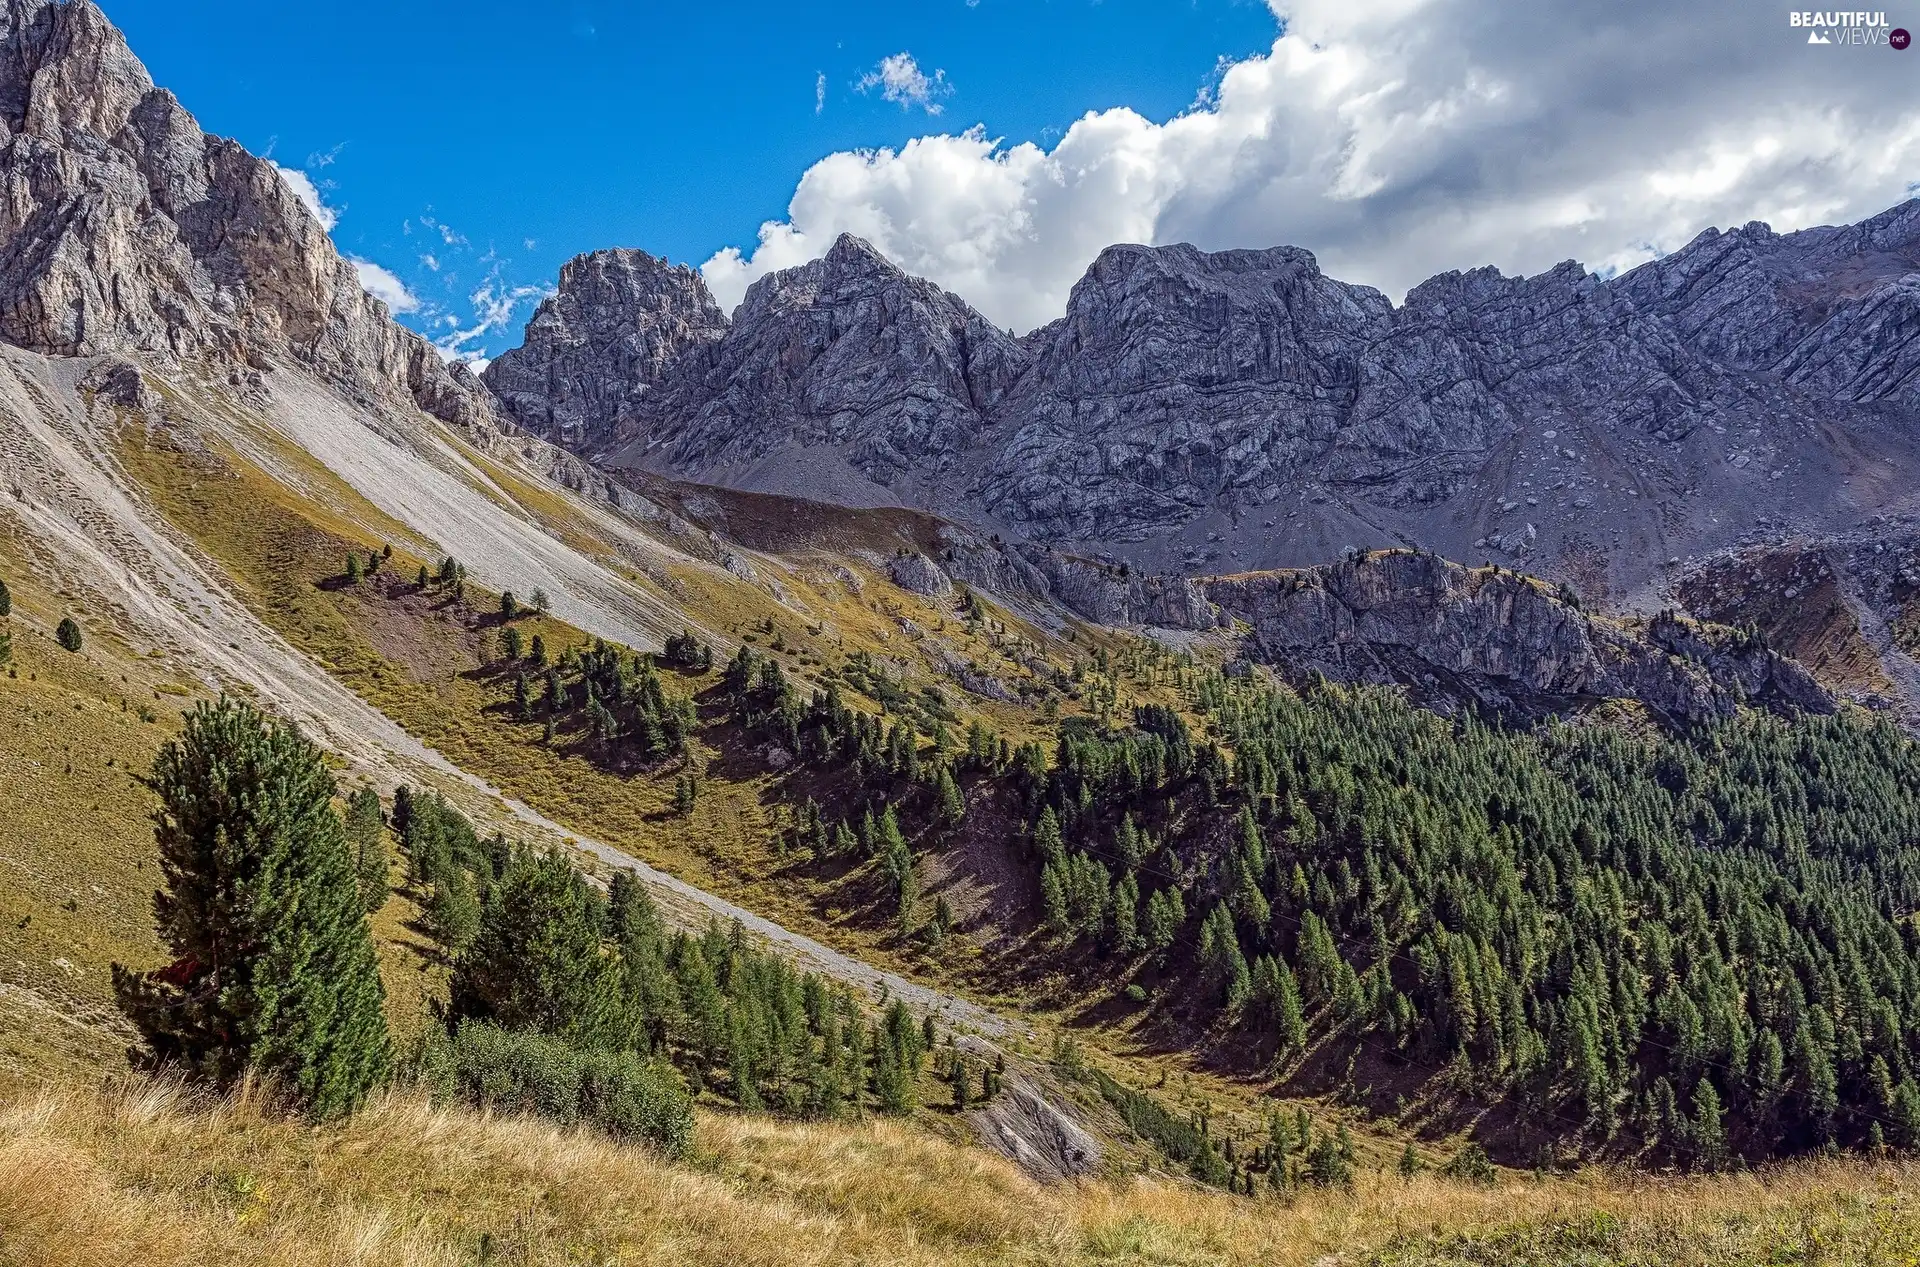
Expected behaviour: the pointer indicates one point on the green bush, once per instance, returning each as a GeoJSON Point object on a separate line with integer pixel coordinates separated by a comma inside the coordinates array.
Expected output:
{"type": "Point", "coordinates": [1471, 1164]}
{"type": "Point", "coordinates": [625, 1095]}
{"type": "Point", "coordinates": [68, 634]}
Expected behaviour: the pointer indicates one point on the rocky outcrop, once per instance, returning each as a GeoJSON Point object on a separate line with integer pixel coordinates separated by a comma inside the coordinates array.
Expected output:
{"type": "Point", "coordinates": [846, 353]}
{"type": "Point", "coordinates": [1498, 641]}
{"type": "Point", "coordinates": [601, 343]}
{"type": "Point", "coordinates": [1113, 594]}
{"type": "Point", "coordinates": [125, 229]}
{"type": "Point", "coordinates": [917, 574]}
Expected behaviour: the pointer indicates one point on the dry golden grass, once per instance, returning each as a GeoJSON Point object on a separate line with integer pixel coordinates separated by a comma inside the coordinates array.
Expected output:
{"type": "Point", "coordinates": [142, 1172]}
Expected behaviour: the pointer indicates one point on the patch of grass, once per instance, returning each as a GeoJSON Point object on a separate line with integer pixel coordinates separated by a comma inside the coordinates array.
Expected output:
{"type": "Point", "coordinates": [143, 1172]}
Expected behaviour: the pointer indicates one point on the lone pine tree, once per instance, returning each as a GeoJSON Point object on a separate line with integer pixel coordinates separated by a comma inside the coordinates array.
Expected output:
{"type": "Point", "coordinates": [68, 634]}
{"type": "Point", "coordinates": [274, 968]}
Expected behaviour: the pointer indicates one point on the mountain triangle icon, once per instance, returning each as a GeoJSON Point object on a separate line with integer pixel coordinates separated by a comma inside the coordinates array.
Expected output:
{"type": "Point", "coordinates": [1814, 37]}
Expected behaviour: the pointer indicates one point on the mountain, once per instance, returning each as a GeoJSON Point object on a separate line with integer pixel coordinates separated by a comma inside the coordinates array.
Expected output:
{"type": "Point", "coordinates": [1197, 411]}
{"type": "Point", "coordinates": [1282, 845]}
{"type": "Point", "coordinates": [128, 230]}
{"type": "Point", "coordinates": [872, 381]}
{"type": "Point", "coordinates": [601, 344]}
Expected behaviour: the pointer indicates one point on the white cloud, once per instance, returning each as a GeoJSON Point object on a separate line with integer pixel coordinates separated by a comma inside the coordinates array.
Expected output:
{"type": "Point", "coordinates": [305, 190]}
{"type": "Point", "coordinates": [900, 80]}
{"type": "Point", "coordinates": [820, 92]}
{"type": "Point", "coordinates": [1395, 140]}
{"type": "Point", "coordinates": [383, 285]}
{"type": "Point", "coordinates": [494, 305]}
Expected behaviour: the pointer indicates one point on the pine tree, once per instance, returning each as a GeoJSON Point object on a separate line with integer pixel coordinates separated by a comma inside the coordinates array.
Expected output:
{"type": "Point", "coordinates": [67, 634]}
{"type": "Point", "coordinates": [1046, 837]}
{"type": "Point", "coordinates": [274, 967]}
{"type": "Point", "coordinates": [353, 567]}
{"type": "Point", "coordinates": [1709, 1136]}
{"type": "Point", "coordinates": [1409, 1162]}
{"type": "Point", "coordinates": [509, 606]}
{"type": "Point", "coordinates": [453, 911]}
{"type": "Point", "coordinates": [953, 806]}
{"type": "Point", "coordinates": [367, 840]}
{"type": "Point", "coordinates": [6, 601]}
{"type": "Point", "coordinates": [420, 580]}
{"type": "Point", "coordinates": [1126, 916]}
{"type": "Point", "coordinates": [510, 643]}
{"type": "Point", "coordinates": [1165, 914]}
{"type": "Point", "coordinates": [536, 963]}
{"type": "Point", "coordinates": [1053, 900]}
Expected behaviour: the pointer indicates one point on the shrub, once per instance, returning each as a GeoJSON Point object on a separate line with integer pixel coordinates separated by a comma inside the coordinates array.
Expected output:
{"type": "Point", "coordinates": [623, 1094]}
{"type": "Point", "coordinates": [1471, 1163]}
{"type": "Point", "coordinates": [68, 634]}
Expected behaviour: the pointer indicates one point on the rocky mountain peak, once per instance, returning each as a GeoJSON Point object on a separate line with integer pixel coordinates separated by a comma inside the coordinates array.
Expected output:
{"type": "Point", "coordinates": [126, 229]}
{"type": "Point", "coordinates": [66, 71]}
{"type": "Point", "coordinates": [885, 375]}
{"type": "Point", "coordinates": [1203, 411]}
{"type": "Point", "coordinates": [602, 342]}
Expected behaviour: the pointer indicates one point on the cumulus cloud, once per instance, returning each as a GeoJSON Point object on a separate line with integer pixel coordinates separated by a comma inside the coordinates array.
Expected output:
{"type": "Point", "coordinates": [383, 285]}
{"type": "Point", "coordinates": [1395, 140]}
{"type": "Point", "coordinates": [901, 81]}
{"type": "Point", "coordinates": [307, 192]}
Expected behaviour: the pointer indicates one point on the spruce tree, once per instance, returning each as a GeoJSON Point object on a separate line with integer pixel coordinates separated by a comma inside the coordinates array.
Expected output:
{"type": "Point", "coordinates": [6, 601]}
{"type": "Point", "coordinates": [274, 968]}
{"type": "Point", "coordinates": [68, 634]}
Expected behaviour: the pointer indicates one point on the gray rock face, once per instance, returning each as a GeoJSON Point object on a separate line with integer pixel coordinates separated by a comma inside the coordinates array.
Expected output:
{"type": "Point", "coordinates": [1177, 375]}
{"type": "Point", "coordinates": [846, 353]}
{"type": "Point", "coordinates": [601, 343]}
{"type": "Point", "coordinates": [125, 229]}
{"type": "Point", "coordinates": [1112, 595]}
{"type": "Point", "coordinates": [1236, 410]}
{"type": "Point", "coordinates": [917, 574]}
{"type": "Point", "coordinates": [1499, 641]}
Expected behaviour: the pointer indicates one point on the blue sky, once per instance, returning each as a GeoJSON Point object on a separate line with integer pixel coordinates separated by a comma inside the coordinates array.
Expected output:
{"type": "Point", "coordinates": [996, 147]}
{"type": "Point", "coordinates": [679, 128]}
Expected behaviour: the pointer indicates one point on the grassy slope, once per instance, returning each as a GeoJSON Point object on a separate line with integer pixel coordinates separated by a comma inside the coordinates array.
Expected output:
{"type": "Point", "coordinates": [417, 658]}
{"type": "Point", "coordinates": [78, 865]}
{"type": "Point", "coordinates": [96, 1178]}
{"type": "Point", "coordinates": [145, 1174]}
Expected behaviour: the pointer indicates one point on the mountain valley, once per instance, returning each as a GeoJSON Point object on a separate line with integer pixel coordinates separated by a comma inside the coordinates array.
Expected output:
{"type": "Point", "coordinates": [1165, 787]}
